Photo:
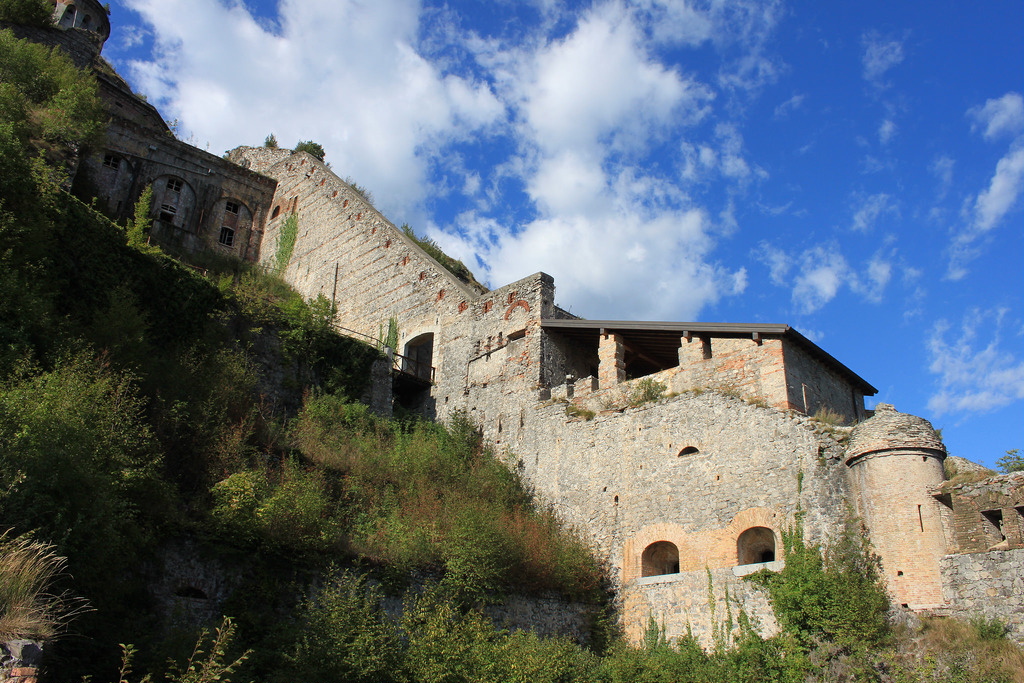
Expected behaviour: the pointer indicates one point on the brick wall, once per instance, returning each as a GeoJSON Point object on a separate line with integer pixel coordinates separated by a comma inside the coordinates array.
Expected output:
{"type": "Point", "coordinates": [987, 514]}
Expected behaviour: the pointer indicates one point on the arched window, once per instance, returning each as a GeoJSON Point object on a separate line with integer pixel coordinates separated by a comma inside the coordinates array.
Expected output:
{"type": "Point", "coordinates": [661, 557]}
{"type": "Point", "coordinates": [756, 545]}
{"type": "Point", "coordinates": [419, 356]}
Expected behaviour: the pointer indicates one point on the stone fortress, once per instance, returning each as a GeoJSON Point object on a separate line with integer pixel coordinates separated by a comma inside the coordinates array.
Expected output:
{"type": "Point", "coordinates": [680, 450]}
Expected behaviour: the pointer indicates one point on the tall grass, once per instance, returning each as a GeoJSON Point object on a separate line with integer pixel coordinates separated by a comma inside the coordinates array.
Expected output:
{"type": "Point", "coordinates": [423, 494]}
{"type": "Point", "coordinates": [28, 608]}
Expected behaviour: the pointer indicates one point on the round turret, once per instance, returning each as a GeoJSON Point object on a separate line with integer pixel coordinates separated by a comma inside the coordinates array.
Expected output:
{"type": "Point", "coordinates": [893, 461]}
{"type": "Point", "coordinates": [890, 430]}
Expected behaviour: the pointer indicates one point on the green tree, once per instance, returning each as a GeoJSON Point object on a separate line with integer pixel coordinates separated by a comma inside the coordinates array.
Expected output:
{"type": "Point", "coordinates": [1013, 461]}
{"type": "Point", "coordinates": [140, 224]}
{"type": "Point", "coordinates": [28, 12]}
{"type": "Point", "coordinates": [310, 147]}
{"type": "Point", "coordinates": [270, 141]}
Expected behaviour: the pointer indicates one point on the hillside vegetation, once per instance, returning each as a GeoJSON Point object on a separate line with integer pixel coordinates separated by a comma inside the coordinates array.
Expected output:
{"type": "Point", "coordinates": [146, 404]}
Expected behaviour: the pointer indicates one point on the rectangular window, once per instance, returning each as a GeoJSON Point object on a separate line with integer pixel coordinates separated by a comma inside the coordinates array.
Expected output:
{"type": "Point", "coordinates": [111, 161]}
{"type": "Point", "coordinates": [231, 207]}
{"type": "Point", "coordinates": [174, 184]}
{"type": "Point", "coordinates": [227, 236]}
{"type": "Point", "coordinates": [167, 212]}
{"type": "Point", "coordinates": [993, 524]}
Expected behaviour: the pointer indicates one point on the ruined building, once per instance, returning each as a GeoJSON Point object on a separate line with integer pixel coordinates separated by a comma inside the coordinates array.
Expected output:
{"type": "Point", "coordinates": [681, 450]}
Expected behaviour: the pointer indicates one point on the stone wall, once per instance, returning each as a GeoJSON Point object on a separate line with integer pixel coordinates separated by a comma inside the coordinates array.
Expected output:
{"type": "Point", "coordinates": [988, 585]}
{"type": "Point", "coordinates": [135, 157]}
{"type": "Point", "coordinates": [486, 346]}
{"type": "Point", "coordinates": [696, 471]}
{"type": "Point", "coordinates": [704, 603]}
{"type": "Point", "coordinates": [812, 386]}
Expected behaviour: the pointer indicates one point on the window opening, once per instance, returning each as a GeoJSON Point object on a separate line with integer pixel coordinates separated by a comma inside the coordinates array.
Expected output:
{"type": "Point", "coordinates": [756, 545]}
{"type": "Point", "coordinates": [920, 519]}
{"type": "Point", "coordinates": [275, 212]}
{"type": "Point", "coordinates": [227, 236]}
{"type": "Point", "coordinates": [994, 528]}
{"type": "Point", "coordinates": [705, 347]}
{"type": "Point", "coordinates": [167, 212]}
{"type": "Point", "coordinates": [231, 207]}
{"type": "Point", "coordinates": [174, 184]}
{"type": "Point", "coordinates": [689, 450]}
{"type": "Point", "coordinates": [659, 558]}
{"type": "Point", "coordinates": [111, 161]}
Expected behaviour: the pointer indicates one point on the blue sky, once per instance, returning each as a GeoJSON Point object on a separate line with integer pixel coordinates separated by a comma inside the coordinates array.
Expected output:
{"type": "Point", "coordinates": [852, 169]}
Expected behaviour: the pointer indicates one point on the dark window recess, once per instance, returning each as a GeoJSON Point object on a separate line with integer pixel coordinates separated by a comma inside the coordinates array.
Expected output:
{"type": "Point", "coordinates": [276, 212]}
{"type": "Point", "coordinates": [231, 207]}
{"type": "Point", "coordinates": [756, 545]}
{"type": "Point", "coordinates": [111, 161]}
{"type": "Point", "coordinates": [659, 558]}
{"type": "Point", "coordinates": [227, 236]}
{"type": "Point", "coordinates": [689, 450]}
{"type": "Point", "coordinates": [994, 528]}
{"type": "Point", "coordinates": [174, 184]}
{"type": "Point", "coordinates": [168, 212]}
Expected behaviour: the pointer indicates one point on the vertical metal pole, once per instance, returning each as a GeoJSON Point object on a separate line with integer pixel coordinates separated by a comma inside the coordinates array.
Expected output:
{"type": "Point", "coordinates": [334, 292]}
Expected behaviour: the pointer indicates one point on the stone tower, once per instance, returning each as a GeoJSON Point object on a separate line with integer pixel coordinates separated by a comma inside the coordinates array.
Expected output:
{"type": "Point", "coordinates": [88, 15]}
{"type": "Point", "coordinates": [893, 460]}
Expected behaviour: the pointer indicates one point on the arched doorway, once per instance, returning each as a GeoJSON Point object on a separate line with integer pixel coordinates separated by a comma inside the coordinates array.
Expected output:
{"type": "Point", "coordinates": [661, 557]}
{"type": "Point", "coordinates": [419, 356]}
{"type": "Point", "coordinates": [756, 545]}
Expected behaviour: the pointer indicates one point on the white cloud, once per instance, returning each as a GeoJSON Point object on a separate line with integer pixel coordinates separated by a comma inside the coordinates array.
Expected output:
{"type": "Point", "coordinates": [987, 210]}
{"type": "Point", "coordinates": [998, 117]}
{"type": "Point", "coordinates": [886, 131]}
{"type": "Point", "coordinates": [1005, 187]}
{"type": "Point", "coordinates": [874, 280]}
{"type": "Point", "coordinates": [942, 168]}
{"type": "Point", "coordinates": [779, 262]}
{"type": "Point", "coordinates": [823, 270]}
{"type": "Point", "coordinates": [880, 55]}
{"type": "Point", "coordinates": [872, 208]}
{"type": "Point", "coordinates": [352, 69]}
{"type": "Point", "coordinates": [792, 104]}
{"type": "Point", "coordinates": [975, 372]}
{"type": "Point", "coordinates": [637, 96]}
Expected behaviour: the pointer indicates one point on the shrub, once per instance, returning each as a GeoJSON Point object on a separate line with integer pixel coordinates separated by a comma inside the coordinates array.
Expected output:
{"type": "Point", "coordinates": [835, 594]}
{"type": "Point", "coordinates": [313, 148]}
{"type": "Point", "coordinates": [28, 12]}
{"type": "Point", "coordinates": [345, 635]}
{"type": "Point", "coordinates": [645, 391]}
{"type": "Point", "coordinates": [286, 243]}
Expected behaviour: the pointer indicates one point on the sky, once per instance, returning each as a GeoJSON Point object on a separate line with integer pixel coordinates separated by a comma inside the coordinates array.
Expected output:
{"type": "Point", "coordinates": [852, 169]}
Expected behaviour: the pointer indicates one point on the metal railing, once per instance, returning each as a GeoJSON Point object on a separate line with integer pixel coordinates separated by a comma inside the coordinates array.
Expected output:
{"type": "Point", "coordinates": [399, 363]}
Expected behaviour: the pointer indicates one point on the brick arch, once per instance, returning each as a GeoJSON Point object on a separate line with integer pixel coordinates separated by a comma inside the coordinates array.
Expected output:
{"type": "Point", "coordinates": [518, 304]}
{"type": "Point", "coordinates": [690, 557]}
{"type": "Point", "coordinates": [749, 519]}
